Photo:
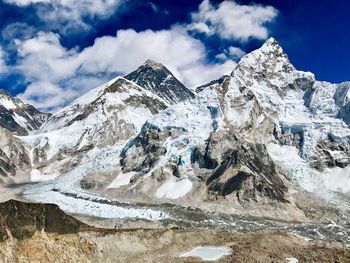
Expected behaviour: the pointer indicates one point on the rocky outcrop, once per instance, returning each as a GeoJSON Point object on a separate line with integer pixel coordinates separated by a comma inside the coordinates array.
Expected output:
{"type": "Point", "coordinates": [155, 77]}
{"type": "Point", "coordinates": [14, 158]}
{"type": "Point", "coordinates": [331, 152]}
{"type": "Point", "coordinates": [241, 171]}
{"type": "Point", "coordinates": [21, 220]}
{"type": "Point", "coordinates": [43, 233]}
{"type": "Point", "coordinates": [18, 117]}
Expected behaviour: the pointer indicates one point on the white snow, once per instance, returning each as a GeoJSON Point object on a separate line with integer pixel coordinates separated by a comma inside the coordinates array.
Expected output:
{"type": "Point", "coordinates": [337, 179]}
{"type": "Point", "coordinates": [208, 253]}
{"type": "Point", "coordinates": [300, 174]}
{"type": "Point", "coordinates": [121, 179]}
{"type": "Point", "coordinates": [37, 176]}
{"type": "Point", "coordinates": [292, 260]}
{"type": "Point", "coordinates": [66, 193]}
{"type": "Point", "coordinates": [78, 205]}
{"type": "Point", "coordinates": [173, 189]}
{"type": "Point", "coordinates": [22, 121]}
{"type": "Point", "coordinates": [7, 103]}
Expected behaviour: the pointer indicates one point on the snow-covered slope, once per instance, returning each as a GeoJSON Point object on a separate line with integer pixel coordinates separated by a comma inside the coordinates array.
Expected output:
{"type": "Point", "coordinates": [17, 117]}
{"type": "Point", "coordinates": [244, 144]}
{"type": "Point", "coordinates": [104, 117]}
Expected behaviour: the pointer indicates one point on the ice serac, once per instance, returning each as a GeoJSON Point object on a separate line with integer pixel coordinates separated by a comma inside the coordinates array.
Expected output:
{"type": "Point", "coordinates": [18, 117]}
{"type": "Point", "coordinates": [156, 78]}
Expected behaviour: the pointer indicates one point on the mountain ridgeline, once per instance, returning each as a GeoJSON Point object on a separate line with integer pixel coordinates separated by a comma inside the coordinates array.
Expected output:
{"type": "Point", "coordinates": [18, 117]}
{"type": "Point", "coordinates": [250, 143]}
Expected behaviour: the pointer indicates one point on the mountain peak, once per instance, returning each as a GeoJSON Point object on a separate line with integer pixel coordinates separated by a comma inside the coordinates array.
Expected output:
{"type": "Point", "coordinates": [272, 46]}
{"type": "Point", "coordinates": [271, 40]}
{"type": "Point", "coordinates": [155, 77]}
{"type": "Point", "coordinates": [18, 117]}
{"type": "Point", "coordinates": [5, 92]}
{"type": "Point", "coordinates": [269, 58]}
{"type": "Point", "coordinates": [153, 64]}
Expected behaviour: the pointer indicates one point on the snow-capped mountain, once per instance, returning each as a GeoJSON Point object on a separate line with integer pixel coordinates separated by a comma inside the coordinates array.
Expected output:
{"type": "Point", "coordinates": [155, 77]}
{"type": "Point", "coordinates": [250, 143]}
{"type": "Point", "coordinates": [18, 117]}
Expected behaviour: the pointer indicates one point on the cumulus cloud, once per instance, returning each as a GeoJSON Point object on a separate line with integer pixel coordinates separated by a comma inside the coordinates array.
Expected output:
{"type": "Point", "coordinates": [68, 16]}
{"type": "Point", "coordinates": [232, 21]}
{"type": "Point", "coordinates": [56, 75]}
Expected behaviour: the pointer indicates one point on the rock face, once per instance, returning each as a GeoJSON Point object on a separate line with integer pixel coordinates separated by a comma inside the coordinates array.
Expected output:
{"type": "Point", "coordinates": [17, 117]}
{"type": "Point", "coordinates": [22, 220]}
{"type": "Point", "coordinates": [156, 78]}
{"type": "Point", "coordinates": [331, 152]}
{"type": "Point", "coordinates": [14, 157]}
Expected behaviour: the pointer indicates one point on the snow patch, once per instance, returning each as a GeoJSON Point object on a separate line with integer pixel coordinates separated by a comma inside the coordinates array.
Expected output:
{"type": "Point", "coordinates": [37, 176]}
{"type": "Point", "coordinates": [7, 103]}
{"type": "Point", "coordinates": [292, 260]}
{"type": "Point", "coordinates": [174, 189]}
{"type": "Point", "coordinates": [208, 253]}
{"type": "Point", "coordinates": [121, 179]}
{"type": "Point", "coordinates": [337, 179]}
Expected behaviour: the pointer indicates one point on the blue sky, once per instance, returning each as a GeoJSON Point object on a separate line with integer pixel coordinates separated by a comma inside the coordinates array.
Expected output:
{"type": "Point", "coordinates": [53, 51]}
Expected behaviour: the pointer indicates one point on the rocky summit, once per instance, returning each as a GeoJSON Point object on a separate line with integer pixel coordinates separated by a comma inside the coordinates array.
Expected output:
{"type": "Point", "coordinates": [264, 147]}
{"type": "Point", "coordinates": [18, 117]}
{"type": "Point", "coordinates": [155, 77]}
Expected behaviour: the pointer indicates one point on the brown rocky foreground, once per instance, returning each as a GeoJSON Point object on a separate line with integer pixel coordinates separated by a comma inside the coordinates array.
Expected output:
{"type": "Point", "coordinates": [43, 233]}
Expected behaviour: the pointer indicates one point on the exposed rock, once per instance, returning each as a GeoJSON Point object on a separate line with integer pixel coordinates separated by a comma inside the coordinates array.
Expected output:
{"type": "Point", "coordinates": [22, 220]}
{"type": "Point", "coordinates": [156, 78]}
{"type": "Point", "coordinates": [331, 152]}
{"type": "Point", "coordinates": [18, 117]}
{"type": "Point", "coordinates": [142, 153]}
{"type": "Point", "coordinates": [14, 158]}
{"type": "Point", "coordinates": [241, 171]}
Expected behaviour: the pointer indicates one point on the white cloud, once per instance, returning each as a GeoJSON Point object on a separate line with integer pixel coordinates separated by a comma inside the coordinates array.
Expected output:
{"type": "Point", "coordinates": [236, 52]}
{"type": "Point", "coordinates": [3, 67]}
{"type": "Point", "coordinates": [68, 15]}
{"type": "Point", "coordinates": [26, 2]}
{"type": "Point", "coordinates": [233, 21]}
{"type": "Point", "coordinates": [18, 30]}
{"type": "Point", "coordinates": [56, 75]}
